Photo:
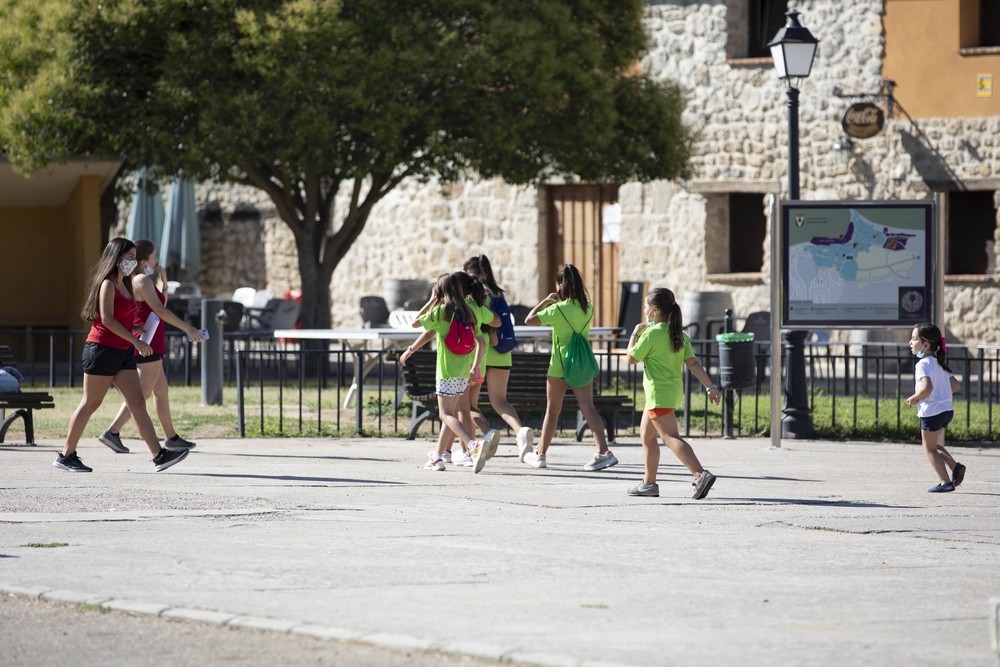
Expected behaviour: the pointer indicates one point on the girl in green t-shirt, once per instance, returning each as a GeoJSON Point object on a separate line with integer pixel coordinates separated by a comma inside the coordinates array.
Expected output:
{"type": "Point", "coordinates": [496, 367]}
{"type": "Point", "coordinates": [453, 371]}
{"type": "Point", "coordinates": [665, 350]}
{"type": "Point", "coordinates": [566, 310]}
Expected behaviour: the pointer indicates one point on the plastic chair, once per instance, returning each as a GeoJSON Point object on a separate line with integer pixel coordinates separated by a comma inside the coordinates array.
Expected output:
{"type": "Point", "coordinates": [234, 316]}
{"type": "Point", "coordinates": [244, 295]}
{"type": "Point", "coordinates": [519, 312]}
{"type": "Point", "coordinates": [277, 314]}
{"type": "Point", "coordinates": [402, 319]}
{"type": "Point", "coordinates": [374, 312]}
{"type": "Point", "coordinates": [759, 324]}
{"type": "Point", "coordinates": [188, 289]}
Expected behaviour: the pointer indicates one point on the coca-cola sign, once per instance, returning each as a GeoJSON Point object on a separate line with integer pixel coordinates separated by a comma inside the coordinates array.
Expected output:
{"type": "Point", "coordinates": [862, 120]}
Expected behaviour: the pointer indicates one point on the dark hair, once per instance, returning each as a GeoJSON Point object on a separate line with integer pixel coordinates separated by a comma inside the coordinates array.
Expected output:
{"type": "Point", "coordinates": [481, 268]}
{"type": "Point", "coordinates": [931, 335]}
{"type": "Point", "coordinates": [471, 287]}
{"type": "Point", "coordinates": [448, 292]}
{"type": "Point", "coordinates": [664, 301]}
{"type": "Point", "coordinates": [105, 269]}
{"type": "Point", "coordinates": [144, 249]}
{"type": "Point", "coordinates": [569, 285]}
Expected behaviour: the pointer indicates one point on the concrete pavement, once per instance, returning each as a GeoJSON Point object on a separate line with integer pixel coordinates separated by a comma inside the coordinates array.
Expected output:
{"type": "Point", "coordinates": [820, 553]}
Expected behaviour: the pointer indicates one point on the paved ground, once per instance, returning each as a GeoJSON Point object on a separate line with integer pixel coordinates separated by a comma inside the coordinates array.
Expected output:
{"type": "Point", "coordinates": [817, 554]}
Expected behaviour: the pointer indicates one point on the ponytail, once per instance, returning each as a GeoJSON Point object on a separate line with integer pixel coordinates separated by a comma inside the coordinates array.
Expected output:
{"type": "Point", "coordinates": [570, 286]}
{"type": "Point", "coordinates": [931, 335]}
{"type": "Point", "coordinates": [664, 301]}
{"type": "Point", "coordinates": [481, 269]}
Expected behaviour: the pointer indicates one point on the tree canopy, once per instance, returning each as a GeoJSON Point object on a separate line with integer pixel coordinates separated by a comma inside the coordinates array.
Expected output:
{"type": "Point", "coordinates": [301, 98]}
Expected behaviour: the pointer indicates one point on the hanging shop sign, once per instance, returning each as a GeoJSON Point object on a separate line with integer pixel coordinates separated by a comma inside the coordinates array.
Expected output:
{"type": "Point", "coordinates": [862, 120]}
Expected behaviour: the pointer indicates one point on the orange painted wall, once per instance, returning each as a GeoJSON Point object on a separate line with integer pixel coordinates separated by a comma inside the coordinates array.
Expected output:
{"type": "Point", "coordinates": [933, 80]}
{"type": "Point", "coordinates": [47, 253]}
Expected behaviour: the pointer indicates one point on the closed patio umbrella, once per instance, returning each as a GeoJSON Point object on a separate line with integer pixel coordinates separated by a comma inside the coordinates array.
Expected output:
{"type": "Point", "coordinates": [145, 218]}
{"type": "Point", "coordinates": [180, 244]}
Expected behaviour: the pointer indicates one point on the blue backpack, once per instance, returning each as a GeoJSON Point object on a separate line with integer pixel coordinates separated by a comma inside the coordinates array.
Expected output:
{"type": "Point", "coordinates": [505, 333]}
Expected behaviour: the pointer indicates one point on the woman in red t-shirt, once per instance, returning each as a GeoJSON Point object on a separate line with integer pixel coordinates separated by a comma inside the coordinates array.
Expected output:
{"type": "Point", "coordinates": [109, 355]}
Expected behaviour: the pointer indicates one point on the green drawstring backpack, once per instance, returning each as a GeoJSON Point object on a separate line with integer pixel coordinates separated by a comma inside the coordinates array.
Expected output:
{"type": "Point", "coordinates": [579, 363]}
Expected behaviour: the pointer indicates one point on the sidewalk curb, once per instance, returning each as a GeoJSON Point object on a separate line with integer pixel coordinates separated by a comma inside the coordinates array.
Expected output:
{"type": "Point", "coordinates": [385, 640]}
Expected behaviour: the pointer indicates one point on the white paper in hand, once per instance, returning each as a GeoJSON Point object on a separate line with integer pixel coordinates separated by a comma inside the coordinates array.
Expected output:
{"type": "Point", "coordinates": [149, 328]}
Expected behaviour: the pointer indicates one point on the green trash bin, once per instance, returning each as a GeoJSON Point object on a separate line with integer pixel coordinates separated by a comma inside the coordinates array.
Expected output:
{"type": "Point", "coordinates": [737, 369]}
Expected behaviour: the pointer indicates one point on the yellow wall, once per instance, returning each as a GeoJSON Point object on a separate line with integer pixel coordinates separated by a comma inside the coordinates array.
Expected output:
{"type": "Point", "coordinates": [45, 256]}
{"type": "Point", "coordinates": [933, 80]}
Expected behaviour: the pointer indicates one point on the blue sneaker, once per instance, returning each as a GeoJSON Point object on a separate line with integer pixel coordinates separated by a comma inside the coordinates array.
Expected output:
{"type": "Point", "coordinates": [943, 487]}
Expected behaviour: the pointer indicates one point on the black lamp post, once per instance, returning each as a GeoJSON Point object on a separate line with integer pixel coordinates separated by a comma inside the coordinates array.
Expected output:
{"type": "Point", "coordinates": [793, 50]}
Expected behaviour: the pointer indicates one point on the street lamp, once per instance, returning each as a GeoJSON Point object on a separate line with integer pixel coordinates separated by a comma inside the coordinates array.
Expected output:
{"type": "Point", "coordinates": [793, 50]}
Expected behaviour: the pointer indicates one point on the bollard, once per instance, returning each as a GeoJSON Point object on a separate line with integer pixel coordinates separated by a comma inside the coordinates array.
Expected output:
{"type": "Point", "coordinates": [797, 422]}
{"type": "Point", "coordinates": [728, 395]}
{"type": "Point", "coordinates": [212, 316]}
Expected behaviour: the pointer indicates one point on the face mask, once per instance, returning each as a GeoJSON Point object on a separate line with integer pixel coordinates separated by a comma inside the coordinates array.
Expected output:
{"type": "Point", "coordinates": [921, 354]}
{"type": "Point", "coordinates": [128, 266]}
{"type": "Point", "coordinates": [149, 270]}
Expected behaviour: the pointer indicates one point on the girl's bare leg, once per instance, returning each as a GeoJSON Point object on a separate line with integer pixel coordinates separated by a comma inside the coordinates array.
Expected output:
{"type": "Point", "coordinates": [666, 426]}
{"type": "Point", "coordinates": [555, 392]}
{"type": "Point", "coordinates": [448, 407]}
{"type": "Point", "coordinates": [930, 440]}
{"type": "Point", "coordinates": [496, 387]}
{"type": "Point", "coordinates": [95, 387]}
{"type": "Point", "coordinates": [585, 399]}
{"type": "Point", "coordinates": [129, 387]}
{"type": "Point", "coordinates": [650, 449]}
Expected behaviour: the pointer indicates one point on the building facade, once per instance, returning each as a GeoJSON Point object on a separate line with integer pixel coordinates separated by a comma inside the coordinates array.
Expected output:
{"type": "Point", "coordinates": [928, 65]}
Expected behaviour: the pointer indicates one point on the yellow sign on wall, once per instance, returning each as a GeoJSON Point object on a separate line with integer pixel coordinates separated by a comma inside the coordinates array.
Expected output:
{"type": "Point", "coordinates": [984, 85]}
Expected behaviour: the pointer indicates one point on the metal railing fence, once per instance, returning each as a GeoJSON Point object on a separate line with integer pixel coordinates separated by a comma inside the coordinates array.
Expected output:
{"type": "Point", "coordinates": [283, 389]}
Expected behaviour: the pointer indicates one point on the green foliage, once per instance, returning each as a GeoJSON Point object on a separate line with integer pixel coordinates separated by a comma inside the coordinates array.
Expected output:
{"type": "Point", "coordinates": [301, 97]}
{"type": "Point", "coordinates": [45, 545]}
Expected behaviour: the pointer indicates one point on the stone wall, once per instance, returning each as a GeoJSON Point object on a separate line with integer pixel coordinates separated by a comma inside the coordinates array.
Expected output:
{"type": "Point", "coordinates": [673, 234]}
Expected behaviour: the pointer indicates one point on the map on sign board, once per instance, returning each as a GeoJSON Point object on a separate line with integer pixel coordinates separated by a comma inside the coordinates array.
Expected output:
{"type": "Point", "coordinates": [857, 263]}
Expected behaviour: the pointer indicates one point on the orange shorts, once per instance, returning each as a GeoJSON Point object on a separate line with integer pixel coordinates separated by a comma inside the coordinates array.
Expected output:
{"type": "Point", "coordinates": [659, 412]}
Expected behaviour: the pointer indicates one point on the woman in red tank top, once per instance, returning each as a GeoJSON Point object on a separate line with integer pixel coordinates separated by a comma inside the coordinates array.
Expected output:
{"type": "Point", "coordinates": [109, 357]}
{"type": "Point", "coordinates": [151, 375]}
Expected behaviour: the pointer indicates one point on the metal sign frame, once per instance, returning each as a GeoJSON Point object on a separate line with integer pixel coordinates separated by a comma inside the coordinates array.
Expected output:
{"type": "Point", "coordinates": [916, 303]}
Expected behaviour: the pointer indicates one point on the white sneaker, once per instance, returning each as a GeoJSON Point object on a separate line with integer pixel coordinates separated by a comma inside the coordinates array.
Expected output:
{"type": "Point", "coordinates": [490, 442]}
{"type": "Point", "coordinates": [463, 459]}
{"type": "Point", "coordinates": [434, 462]}
{"type": "Point", "coordinates": [524, 437]}
{"type": "Point", "coordinates": [478, 450]}
{"type": "Point", "coordinates": [446, 457]}
{"type": "Point", "coordinates": [601, 461]}
{"type": "Point", "coordinates": [534, 460]}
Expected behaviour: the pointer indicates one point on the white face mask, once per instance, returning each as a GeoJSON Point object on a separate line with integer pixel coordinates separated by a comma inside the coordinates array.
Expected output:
{"type": "Point", "coordinates": [149, 270]}
{"type": "Point", "coordinates": [128, 266]}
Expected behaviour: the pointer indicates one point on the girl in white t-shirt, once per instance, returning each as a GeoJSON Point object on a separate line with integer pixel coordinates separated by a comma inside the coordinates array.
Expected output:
{"type": "Point", "coordinates": [935, 385]}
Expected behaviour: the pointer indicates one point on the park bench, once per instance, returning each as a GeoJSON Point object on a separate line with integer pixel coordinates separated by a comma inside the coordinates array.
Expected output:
{"type": "Point", "coordinates": [21, 403]}
{"type": "Point", "coordinates": [525, 391]}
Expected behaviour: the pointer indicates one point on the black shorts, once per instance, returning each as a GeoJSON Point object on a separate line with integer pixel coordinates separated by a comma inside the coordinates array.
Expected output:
{"type": "Point", "coordinates": [146, 360]}
{"type": "Point", "coordinates": [936, 422]}
{"type": "Point", "coordinates": [103, 360]}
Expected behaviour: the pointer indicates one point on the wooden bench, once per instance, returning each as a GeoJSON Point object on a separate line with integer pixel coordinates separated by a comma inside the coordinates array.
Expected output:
{"type": "Point", "coordinates": [22, 403]}
{"type": "Point", "coordinates": [525, 392]}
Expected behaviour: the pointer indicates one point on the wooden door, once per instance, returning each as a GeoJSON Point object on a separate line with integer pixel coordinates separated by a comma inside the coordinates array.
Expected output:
{"type": "Point", "coordinates": [575, 236]}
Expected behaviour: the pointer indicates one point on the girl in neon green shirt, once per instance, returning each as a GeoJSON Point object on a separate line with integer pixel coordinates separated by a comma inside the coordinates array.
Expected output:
{"type": "Point", "coordinates": [566, 310]}
{"type": "Point", "coordinates": [665, 350]}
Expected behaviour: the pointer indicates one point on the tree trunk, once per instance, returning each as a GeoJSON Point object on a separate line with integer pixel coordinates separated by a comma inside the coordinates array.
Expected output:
{"type": "Point", "coordinates": [315, 313]}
